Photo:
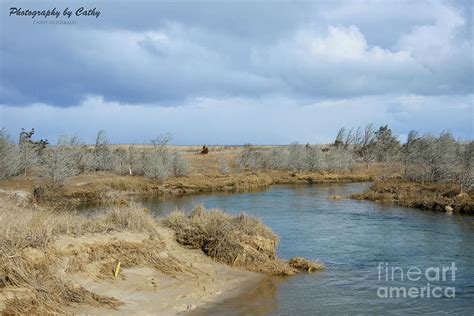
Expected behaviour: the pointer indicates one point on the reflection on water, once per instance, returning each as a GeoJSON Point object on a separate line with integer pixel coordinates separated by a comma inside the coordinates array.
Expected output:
{"type": "Point", "coordinates": [352, 238]}
{"type": "Point", "coordinates": [260, 300]}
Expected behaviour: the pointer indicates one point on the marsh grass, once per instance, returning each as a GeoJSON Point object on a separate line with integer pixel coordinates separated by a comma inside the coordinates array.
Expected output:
{"type": "Point", "coordinates": [28, 262]}
{"type": "Point", "coordinates": [241, 240]}
{"type": "Point", "coordinates": [35, 270]}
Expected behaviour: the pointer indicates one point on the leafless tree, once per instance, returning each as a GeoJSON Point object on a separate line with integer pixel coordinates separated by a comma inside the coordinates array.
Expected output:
{"type": "Point", "coordinates": [159, 143]}
{"type": "Point", "coordinates": [163, 162]}
{"type": "Point", "coordinates": [59, 163]}
{"type": "Point", "coordinates": [9, 156]}
{"type": "Point", "coordinates": [366, 150]}
{"type": "Point", "coordinates": [251, 158]}
{"type": "Point", "coordinates": [338, 158]}
{"type": "Point", "coordinates": [464, 173]}
{"type": "Point", "coordinates": [103, 159]}
{"type": "Point", "coordinates": [155, 168]}
{"type": "Point", "coordinates": [120, 157]}
{"type": "Point", "coordinates": [178, 165]}
{"type": "Point", "coordinates": [297, 157]}
{"type": "Point", "coordinates": [341, 136]}
{"type": "Point", "coordinates": [315, 160]}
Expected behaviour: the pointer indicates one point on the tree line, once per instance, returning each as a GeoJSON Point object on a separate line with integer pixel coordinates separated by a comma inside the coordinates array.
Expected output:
{"type": "Point", "coordinates": [422, 157]}
{"type": "Point", "coordinates": [71, 157]}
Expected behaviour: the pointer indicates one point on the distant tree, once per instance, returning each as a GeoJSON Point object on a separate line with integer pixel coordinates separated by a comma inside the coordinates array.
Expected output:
{"type": "Point", "coordinates": [59, 163]}
{"type": "Point", "coordinates": [159, 143]}
{"type": "Point", "coordinates": [120, 156]}
{"type": "Point", "coordinates": [464, 173]}
{"type": "Point", "coordinates": [297, 157]}
{"type": "Point", "coordinates": [30, 150]}
{"type": "Point", "coordinates": [338, 158]}
{"type": "Point", "coordinates": [102, 156]}
{"type": "Point", "coordinates": [156, 167]}
{"type": "Point", "coordinates": [27, 138]}
{"type": "Point", "coordinates": [314, 159]}
{"type": "Point", "coordinates": [10, 164]}
{"type": "Point", "coordinates": [341, 137]}
{"type": "Point", "coordinates": [162, 162]}
{"type": "Point", "coordinates": [178, 165]}
{"type": "Point", "coordinates": [409, 151]}
{"type": "Point", "coordinates": [385, 145]}
{"type": "Point", "coordinates": [250, 158]}
{"type": "Point", "coordinates": [365, 146]}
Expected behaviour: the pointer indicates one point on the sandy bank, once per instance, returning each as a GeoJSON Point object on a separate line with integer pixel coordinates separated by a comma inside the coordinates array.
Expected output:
{"type": "Point", "coordinates": [56, 262]}
{"type": "Point", "coordinates": [147, 291]}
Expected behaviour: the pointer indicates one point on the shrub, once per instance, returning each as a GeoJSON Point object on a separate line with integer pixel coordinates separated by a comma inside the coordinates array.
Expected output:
{"type": "Point", "coordinates": [9, 156]}
{"type": "Point", "coordinates": [239, 240]}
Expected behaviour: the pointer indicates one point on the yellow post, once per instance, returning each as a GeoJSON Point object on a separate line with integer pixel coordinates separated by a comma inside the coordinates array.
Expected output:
{"type": "Point", "coordinates": [117, 269]}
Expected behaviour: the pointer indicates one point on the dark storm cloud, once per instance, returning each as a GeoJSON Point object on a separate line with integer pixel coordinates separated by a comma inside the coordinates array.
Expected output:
{"type": "Point", "coordinates": [163, 53]}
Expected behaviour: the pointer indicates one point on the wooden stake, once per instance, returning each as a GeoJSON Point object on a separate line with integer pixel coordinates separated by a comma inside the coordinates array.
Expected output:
{"type": "Point", "coordinates": [117, 269]}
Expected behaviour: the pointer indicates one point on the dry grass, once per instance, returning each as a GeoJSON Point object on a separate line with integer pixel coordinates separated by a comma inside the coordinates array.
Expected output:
{"type": "Point", "coordinates": [301, 263]}
{"type": "Point", "coordinates": [35, 227]}
{"type": "Point", "coordinates": [40, 249]}
{"type": "Point", "coordinates": [430, 196]}
{"type": "Point", "coordinates": [108, 188]}
{"type": "Point", "coordinates": [241, 240]}
{"type": "Point", "coordinates": [100, 260]}
{"type": "Point", "coordinates": [42, 290]}
{"type": "Point", "coordinates": [29, 262]}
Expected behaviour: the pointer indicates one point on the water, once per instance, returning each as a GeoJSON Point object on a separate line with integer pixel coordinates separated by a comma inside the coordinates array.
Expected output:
{"type": "Point", "coordinates": [352, 238]}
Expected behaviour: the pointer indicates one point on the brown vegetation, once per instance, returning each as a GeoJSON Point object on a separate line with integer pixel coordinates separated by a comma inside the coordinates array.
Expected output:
{"type": "Point", "coordinates": [301, 263]}
{"type": "Point", "coordinates": [46, 255]}
{"type": "Point", "coordinates": [32, 269]}
{"type": "Point", "coordinates": [242, 240]}
{"type": "Point", "coordinates": [108, 188]}
{"type": "Point", "coordinates": [444, 197]}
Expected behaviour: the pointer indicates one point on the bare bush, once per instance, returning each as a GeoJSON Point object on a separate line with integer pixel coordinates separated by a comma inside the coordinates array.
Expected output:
{"type": "Point", "coordinates": [156, 166]}
{"type": "Point", "coordinates": [162, 162]}
{"type": "Point", "coordinates": [464, 172]}
{"type": "Point", "coordinates": [61, 162]}
{"type": "Point", "coordinates": [250, 158]}
{"type": "Point", "coordinates": [102, 155]}
{"type": "Point", "coordinates": [297, 157]}
{"type": "Point", "coordinates": [178, 165]}
{"type": "Point", "coordinates": [224, 167]}
{"type": "Point", "coordinates": [9, 156]}
{"type": "Point", "coordinates": [338, 158]}
{"type": "Point", "coordinates": [314, 158]}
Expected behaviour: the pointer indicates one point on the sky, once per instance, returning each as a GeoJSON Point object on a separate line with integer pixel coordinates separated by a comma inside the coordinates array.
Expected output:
{"type": "Point", "coordinates": [236, 72]}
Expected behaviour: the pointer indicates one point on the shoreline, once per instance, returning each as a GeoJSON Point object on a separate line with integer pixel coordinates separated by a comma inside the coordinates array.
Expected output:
{"type": "Point", "coordinates": [148, 292]}
{"type": "Point", "coordinates": [109, 189]}
{"type": "Point", "coordinates": [106, 189]}
{"type": "Point", "coordinates": [437, 197]}
{"type": "Point", "coordinates": [60, 262]}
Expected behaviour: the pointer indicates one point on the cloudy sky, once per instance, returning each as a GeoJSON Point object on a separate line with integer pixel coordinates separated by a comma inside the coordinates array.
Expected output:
{"type": "Point", "coordinates": [233, 72]}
